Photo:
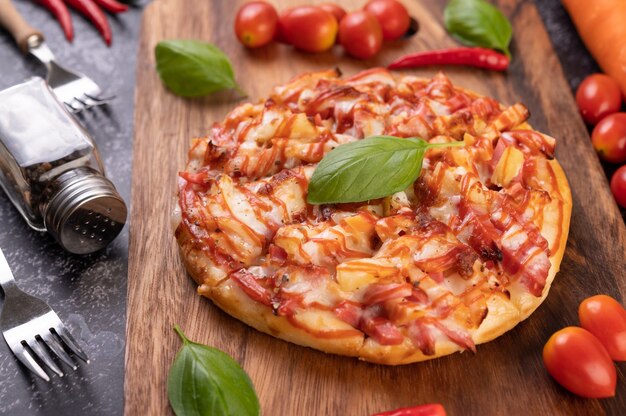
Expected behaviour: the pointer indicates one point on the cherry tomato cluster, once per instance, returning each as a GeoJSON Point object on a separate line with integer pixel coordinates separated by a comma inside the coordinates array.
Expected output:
{"type": "Point", "coordinates": [580, 358]}
{"type": "Point", "coordinates": [599, 100]}
{"type": "Point", "coordinates": [318, 28]}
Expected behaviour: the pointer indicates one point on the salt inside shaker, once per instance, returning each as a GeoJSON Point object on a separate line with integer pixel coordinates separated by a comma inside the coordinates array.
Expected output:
{"type": "Point", "coordinates": [51, 170]}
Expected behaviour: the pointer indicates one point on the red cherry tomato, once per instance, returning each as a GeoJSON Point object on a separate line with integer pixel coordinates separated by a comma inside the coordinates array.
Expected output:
{"type": "Point", "coordinates": [280, 30]}
{"type": "Point", "coordinates": [392, 16]}
{"type": "Point", "coordinates": [618, 186]}
{"type": "Point", "coordinates": [360, 34]}
{"type": "Point", "coordinates": [432, 409]}
{"type": "Point", "coordinates": [609, 138]}
{"type": "Point", "coordinates": [605, 318]}
{"type": "Point", "coordinates": [333, 9]}
{"type": "Point", "coordinates": [255, 24]}
{"type": "Point", "coordinates": [597, 97]}
{"type": "Point", "coordinates": [309, 28]}
{"type": "Point", "coordinates": [579, 362]}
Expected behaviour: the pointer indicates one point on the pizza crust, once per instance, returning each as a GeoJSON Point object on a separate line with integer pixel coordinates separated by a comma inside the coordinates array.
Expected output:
{"type": "Point", "coordinates": [528, 303]}
{"type": "Point", "coordinates": [196, 260]}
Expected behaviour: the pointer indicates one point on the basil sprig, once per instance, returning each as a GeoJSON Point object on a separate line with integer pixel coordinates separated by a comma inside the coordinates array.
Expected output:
{"type": "Point", "coordinates": [191, 68]}
{"type": "Point", "coordinates": [207, 381]}
{"type": "Point", "coordinates": [478, 23]}
{"type": "Point", "coordinates": [371, 168]}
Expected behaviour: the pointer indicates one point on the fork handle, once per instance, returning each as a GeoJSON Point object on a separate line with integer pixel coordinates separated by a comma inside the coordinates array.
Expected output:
{"type": "Point", "coordinates": [13, 22]}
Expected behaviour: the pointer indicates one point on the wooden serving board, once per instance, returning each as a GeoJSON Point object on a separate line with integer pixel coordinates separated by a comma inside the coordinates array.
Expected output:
{"type": "Point", "coordinates": [506, 376]}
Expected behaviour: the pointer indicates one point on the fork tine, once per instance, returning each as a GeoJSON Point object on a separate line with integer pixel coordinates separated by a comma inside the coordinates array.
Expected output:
{"type": "Point", "coordinates": [44, 356]}
{"type": "Point", "coordinates": [29, 362]}
{"type": "Point", "coordinates": [100, 100]}
{"type": "Point", "coordinates": [88, 101]}
{"type": "Point", "coordinates": [67, 338]}
{"type": "Point", "coordinates": [83, 101]}
{"type": "Point", "coordinates": [77, 105]}
{"type": "Point", "coordinates": [72, 109]}
{"type": "Point", "coordinates": [57, 348]}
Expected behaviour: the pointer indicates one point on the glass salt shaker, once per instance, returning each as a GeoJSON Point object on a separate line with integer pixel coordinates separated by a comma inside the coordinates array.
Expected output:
{"type": "Point", "coordinates": [51, 170]}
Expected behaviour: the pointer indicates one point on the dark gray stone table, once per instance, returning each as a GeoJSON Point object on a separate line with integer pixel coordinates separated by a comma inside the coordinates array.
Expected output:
{"type": "Point", "coordinates": [89, 292]}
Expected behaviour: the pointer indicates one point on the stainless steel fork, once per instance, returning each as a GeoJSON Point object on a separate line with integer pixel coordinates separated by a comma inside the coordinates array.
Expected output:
{"type": "Point", "coordinates": [30, 325]}
{"type": "Point", "coordinates": [76, 90]}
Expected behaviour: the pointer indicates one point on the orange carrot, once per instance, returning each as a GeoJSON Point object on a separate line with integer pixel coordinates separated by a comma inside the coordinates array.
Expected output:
{"type": "Point", "coordinates": [602, 26]}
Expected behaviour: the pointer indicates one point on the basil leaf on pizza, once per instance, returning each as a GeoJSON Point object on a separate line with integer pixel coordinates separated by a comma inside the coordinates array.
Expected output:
{"type": "Point", "coordinates": [207, 381]}
{"type": "Point", "coordinates": [367, 169]}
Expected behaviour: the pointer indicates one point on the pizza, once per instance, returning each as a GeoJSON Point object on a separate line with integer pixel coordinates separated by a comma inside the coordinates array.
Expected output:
{"type": "Point", "coordinates": [455, 260]}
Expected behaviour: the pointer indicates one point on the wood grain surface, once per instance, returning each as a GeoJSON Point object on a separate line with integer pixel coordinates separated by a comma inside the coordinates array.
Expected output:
{"type": "Point", "coordinates": [506, 376]}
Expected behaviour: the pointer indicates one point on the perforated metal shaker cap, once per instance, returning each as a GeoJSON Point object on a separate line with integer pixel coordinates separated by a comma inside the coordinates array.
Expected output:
{"type": "Point", "coordinates": [85, 212]}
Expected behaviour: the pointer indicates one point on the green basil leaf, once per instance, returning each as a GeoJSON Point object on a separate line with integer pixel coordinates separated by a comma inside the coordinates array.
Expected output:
{"type": "Point", "coordinates": [371, 168]}
{"type": "Point", "coordinates": [478, 23]}
{"type": "Point", "coordinates": [205, 381]}
{"type": "Point", "coordinates": [191, 68]}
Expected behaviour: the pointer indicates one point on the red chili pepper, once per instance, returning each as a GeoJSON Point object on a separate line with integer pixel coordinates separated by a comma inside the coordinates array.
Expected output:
{"type": "Point", "coordinates": [112, 6]}
{"type": "Point", "coordinates": [431, 409]}
{"type": "Point", "coordinates": [59, 10]}
{"type": "Point", "coordinates": [476, 57]}
{"type": "Point", "coordinates": [95, 14]}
